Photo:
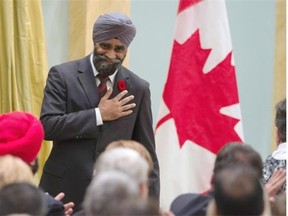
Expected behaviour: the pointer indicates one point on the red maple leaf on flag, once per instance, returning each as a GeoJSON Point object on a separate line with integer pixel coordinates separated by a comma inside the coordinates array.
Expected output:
{"type": "Point", "coordinates": [183, 4]}
{"type": "Point", "coordinates": [194, 99]}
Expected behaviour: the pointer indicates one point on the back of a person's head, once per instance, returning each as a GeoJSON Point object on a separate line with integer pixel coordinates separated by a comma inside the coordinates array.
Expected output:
{"type": "Point", "coordinates": [13, 170]}
{"type": "Point", "coordinates": [238, 153]}
{"type": "Point", "coordinates": [133, 145]}
{"type": "Point", "coordinates": [125, 160]}
{"type": "Point", "coordinates": [280, 120]}
{"type": "Point", "coordinates": [21, 135]}
{"type": "Point", "coordinates": [107, 190]}
{"type": "Point", "coordinates": [238, 191]}
{"type": "Point", "coordinates": [21, 198]}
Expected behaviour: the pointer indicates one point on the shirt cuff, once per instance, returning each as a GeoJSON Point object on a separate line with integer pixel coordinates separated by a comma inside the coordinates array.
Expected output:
{"type": "Point", "coordinates": [99, 120]}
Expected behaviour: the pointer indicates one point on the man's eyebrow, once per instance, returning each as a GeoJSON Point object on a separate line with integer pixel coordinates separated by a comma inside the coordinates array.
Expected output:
{"type": "Point", "coordinates": [120, 46]}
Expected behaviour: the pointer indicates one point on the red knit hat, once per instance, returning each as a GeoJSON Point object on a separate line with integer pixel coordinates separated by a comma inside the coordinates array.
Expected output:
{"type": "Point", "coordinates": [21, 135]}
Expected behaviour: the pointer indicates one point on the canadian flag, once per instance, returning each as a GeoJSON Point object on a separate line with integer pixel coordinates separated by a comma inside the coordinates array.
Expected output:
{"type": "Point", "coordinates": [199, 112]}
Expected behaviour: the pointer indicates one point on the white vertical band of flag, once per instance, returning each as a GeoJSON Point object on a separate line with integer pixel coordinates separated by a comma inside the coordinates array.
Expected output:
{"type": "Point", "coordinates": [200, 111]}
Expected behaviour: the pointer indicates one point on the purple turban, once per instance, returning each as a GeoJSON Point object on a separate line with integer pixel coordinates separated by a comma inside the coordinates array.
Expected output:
{"type": "Point", "coordinates": [114, 25]}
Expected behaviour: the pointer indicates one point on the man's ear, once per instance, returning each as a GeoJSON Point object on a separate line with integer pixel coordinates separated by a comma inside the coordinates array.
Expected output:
{"type": "Point", "coordinates": [144, 190]}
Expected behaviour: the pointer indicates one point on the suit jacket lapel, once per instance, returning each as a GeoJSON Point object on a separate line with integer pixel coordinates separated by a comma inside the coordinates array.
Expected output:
{"type": "Point", "coordinates": [87, 81]}
{"type": "Point", "coordinates": [121, 75]}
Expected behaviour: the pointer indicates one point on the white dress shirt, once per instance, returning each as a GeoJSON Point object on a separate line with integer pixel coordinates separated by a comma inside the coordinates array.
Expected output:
{"type": "Point", "coordinates": [280, 152]}
{"type": "Point", "coordinates": [109, 84]}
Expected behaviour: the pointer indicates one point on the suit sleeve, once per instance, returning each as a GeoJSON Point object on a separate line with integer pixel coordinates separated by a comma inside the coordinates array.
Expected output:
{"type": "Point", "coordinates": [57, 122]}
{"type": "Point", "coordinates": [144, 133]}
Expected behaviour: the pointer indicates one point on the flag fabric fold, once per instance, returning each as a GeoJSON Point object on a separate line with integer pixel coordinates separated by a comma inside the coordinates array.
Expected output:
{"type": "Point", "coordinates": [199, 112]}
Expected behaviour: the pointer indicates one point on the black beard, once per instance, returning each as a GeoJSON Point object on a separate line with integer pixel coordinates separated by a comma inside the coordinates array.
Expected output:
{"type": "Point", "coordinates": [105, 66]}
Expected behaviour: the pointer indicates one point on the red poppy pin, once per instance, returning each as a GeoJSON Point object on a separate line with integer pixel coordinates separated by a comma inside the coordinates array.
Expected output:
{"type": "Point", "coordinates": [122, 85]}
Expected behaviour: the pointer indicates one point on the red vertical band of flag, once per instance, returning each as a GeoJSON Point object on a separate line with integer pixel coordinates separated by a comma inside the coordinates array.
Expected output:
{"type": "Point", "coordinates": [200, 110]}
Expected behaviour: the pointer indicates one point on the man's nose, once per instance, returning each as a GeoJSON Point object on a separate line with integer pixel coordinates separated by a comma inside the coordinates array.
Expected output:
{"type": "Point", "coordinates": [111, 54]}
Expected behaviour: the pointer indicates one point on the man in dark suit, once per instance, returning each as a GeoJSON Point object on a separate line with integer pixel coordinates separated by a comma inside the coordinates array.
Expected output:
{"type": "Point", "coordinates": [82, 119]}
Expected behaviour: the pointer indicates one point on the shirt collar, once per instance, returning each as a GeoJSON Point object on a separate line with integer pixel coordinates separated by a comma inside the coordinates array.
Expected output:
{"type": "Point", "coordinates": [280, 152]}
{"type": "Point", "coordinates": [95, 72]}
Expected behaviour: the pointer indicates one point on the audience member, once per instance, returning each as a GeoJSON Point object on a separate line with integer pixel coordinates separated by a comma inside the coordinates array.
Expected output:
{"type": "Point", "coordinates": [21, 135]}
{"type": "Point", "coordinates": [237, 191]}
{"type": "Point", "coordinates": [22, 198]}
{"type": "Point", "coordinates": [128, 161]}
{"type": "Point", "coordinates": [277, 160]}
{"type": "Point", "coordinates": [14, 170]}
{"type": "Point", "coordinates": [107, 191]}
{"type": "Point", "coordinates": [232, 153]}
{"type": "Point", "coordinates": [125, 156]}
{"type": "Point", "coordinates": [133, 145]}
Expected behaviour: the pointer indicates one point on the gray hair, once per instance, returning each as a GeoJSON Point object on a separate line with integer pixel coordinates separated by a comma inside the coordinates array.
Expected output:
{"type": "Point", "coordinates": [107, 191]}
{"type": "Point", "coordinates": [125, 160]}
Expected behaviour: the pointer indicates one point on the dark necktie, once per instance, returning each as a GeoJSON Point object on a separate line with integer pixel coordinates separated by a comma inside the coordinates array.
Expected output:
{"type": "Point", "coordinates": [102, 87]}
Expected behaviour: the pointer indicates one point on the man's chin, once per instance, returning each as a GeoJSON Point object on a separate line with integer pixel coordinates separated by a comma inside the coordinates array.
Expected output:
{"type": "Point", "coordinates": [107, 71]}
